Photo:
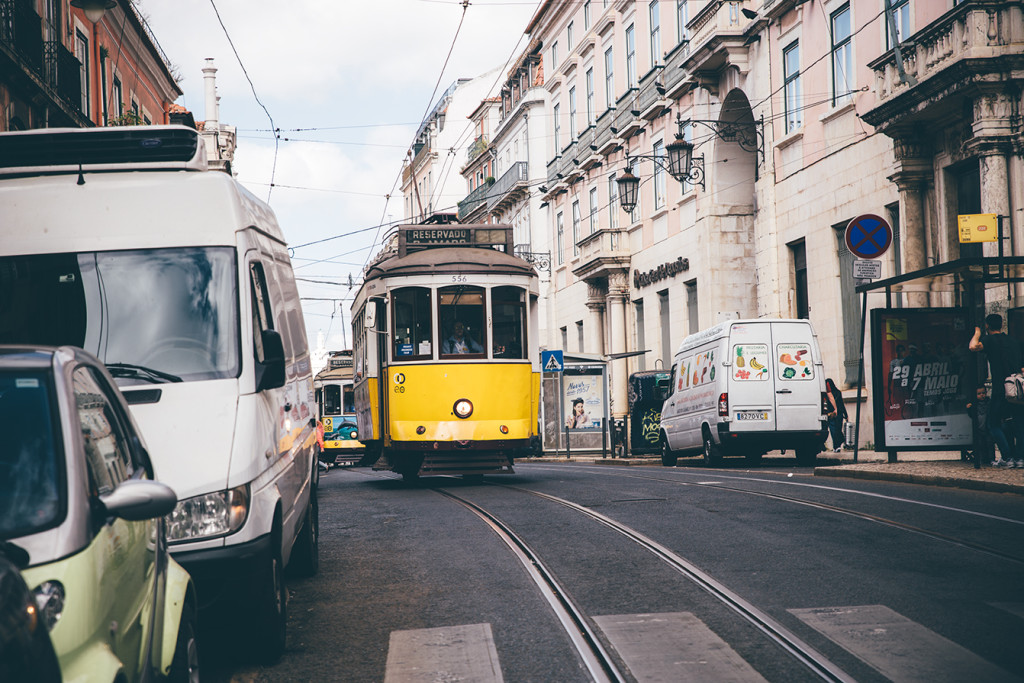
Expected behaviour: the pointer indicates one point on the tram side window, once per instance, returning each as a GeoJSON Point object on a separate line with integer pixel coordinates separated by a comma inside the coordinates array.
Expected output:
{"type": "Point", "coordinates": [462, 314]}
{"type": "Point", "coordinates": [349, 405]}
{"type": "Point", "coordinates": [332, 400]}
{"type": "Point", "coordinates": [412, 330]}
{"type": "Point", "coordinates": [509, 304]}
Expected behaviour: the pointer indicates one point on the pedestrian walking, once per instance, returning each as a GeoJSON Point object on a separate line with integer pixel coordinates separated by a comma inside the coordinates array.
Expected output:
{"type": "Point", "coordinates": [1005, 420]}
{"type": "Point", "coordinates": [837, 414]}
{"type": "Point", "coordinates": [979, 411]}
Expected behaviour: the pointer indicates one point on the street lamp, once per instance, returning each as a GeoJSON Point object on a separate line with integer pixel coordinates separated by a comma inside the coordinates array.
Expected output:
{"type": "Point", "coordinates": [94, 9]}
{"type": "Point", "coordinates": [682, 166]}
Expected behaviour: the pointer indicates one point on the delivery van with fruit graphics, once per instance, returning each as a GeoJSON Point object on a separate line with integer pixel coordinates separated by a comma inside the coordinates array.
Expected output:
{"type": "Point", "coordinates": [743, 388]}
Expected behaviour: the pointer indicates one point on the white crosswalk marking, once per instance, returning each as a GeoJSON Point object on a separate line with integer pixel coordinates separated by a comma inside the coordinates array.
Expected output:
{"type": "Point", "coordinates": [901, 649]}
{"type": "Point", "coordinates": [674, 647]}
{"type": "Point", "coordinates": [452, 653]}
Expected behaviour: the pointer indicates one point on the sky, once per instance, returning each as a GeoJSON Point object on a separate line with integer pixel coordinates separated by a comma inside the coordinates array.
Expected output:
{"type": "Point", "coordinates": [347, 84]}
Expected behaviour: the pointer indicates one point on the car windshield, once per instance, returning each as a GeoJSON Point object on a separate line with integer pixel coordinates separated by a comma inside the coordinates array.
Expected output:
{"type": "Point", "coordinates": [153, 315]}
{"type": "Point", "coordinates": [29, 481]}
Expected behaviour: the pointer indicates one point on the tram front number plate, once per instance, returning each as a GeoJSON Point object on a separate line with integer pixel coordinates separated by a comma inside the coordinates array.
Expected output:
{"type": "Point", "coordinates": [752, 415]}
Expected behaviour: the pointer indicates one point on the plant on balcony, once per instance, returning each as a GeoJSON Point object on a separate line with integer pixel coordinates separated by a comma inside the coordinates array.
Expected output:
{"type": "Point", "coordinates": [489, 180]}
{"type": "Point", "coordinates": [129, 118]}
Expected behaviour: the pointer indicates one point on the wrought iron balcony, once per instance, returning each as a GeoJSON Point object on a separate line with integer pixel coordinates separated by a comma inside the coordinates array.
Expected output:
{"type": "Point", "coordinates": [473, 200]}
{"type": "Point", "coordinates": [674, 74]}
{"type": "Point", "coordinates": [511, 186]}
{"type": "Point", "coordinates": [62, 72]}
{"type": "Point", "coordinates": [605, 138]}
{"type": "Point", "coordinates": [21, 30]}
{"type": "Point", "coordinates": [650, 101]}
{"type": "Point", "coordinates": [541, 260]}
{"type": "Point", "coordinates": [553, 167]}
{"type": "Point", "coordinates": [626, 121]}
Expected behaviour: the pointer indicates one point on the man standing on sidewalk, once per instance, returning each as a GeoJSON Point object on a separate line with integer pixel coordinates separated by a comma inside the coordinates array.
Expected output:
{"type": "Point", "coordinates": [1006, 420]}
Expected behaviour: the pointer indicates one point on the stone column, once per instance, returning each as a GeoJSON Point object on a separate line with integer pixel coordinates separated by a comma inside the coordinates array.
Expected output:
{"type": "Point", "coordinates": [618, 293]}
{"type": "Point", "coordinates": [912, 176]}
{"type": "Point", "coordinates": [593, 333]}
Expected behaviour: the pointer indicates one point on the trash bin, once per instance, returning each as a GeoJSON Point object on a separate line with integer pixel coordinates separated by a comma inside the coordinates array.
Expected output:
{"type": "Point", "coordinates": [645, 411]}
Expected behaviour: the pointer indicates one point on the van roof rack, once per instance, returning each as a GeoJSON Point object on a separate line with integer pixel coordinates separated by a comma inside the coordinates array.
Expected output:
{"type": "Point", "coordinates": [115, 148]}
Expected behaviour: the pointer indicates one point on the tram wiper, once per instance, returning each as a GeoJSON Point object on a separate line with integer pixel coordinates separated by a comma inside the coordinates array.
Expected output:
{"type": "Point", "coordinates": [141, 372]}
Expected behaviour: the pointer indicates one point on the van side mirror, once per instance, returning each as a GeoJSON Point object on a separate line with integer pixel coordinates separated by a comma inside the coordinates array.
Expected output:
{"type": "Point", "coordinates": [662, 387]}
{"type": "Point", "coordinates": [270, 374]}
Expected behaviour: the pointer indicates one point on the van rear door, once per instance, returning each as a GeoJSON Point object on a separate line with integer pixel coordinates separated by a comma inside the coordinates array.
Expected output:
{"type": "Point", "coordinates": [797, 381]}
{"type": "Point", "coordinates": [751, 377]}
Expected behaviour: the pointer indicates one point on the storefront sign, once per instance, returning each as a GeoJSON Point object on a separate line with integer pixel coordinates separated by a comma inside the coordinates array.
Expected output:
{"type": "Point", "coordinates": [660, 273]}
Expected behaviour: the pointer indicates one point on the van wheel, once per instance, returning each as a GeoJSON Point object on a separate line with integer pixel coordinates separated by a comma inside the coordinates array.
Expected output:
{"type": "Point", "coordinates": [185, 665]}
{"type": "Point", "coordinates": [306, 560]}
{"type": "Point", "coordinates": [807, 456]}
{"type": "Point", "coordinates": [712, 453]}
{"type": "Point", "coordinates": [269, 627]}
{"type": "Point", "coordinates": [668, 456]}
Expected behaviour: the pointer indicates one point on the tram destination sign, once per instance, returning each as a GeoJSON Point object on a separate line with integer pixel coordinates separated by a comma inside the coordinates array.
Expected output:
{"type": "Point", "coordinates": [435, 236]}
{"type": "Point", "coordinates": [417, 237]}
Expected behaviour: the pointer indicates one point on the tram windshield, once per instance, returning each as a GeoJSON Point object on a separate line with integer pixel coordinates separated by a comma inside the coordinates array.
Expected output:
{"type": "Point", "coordinates": [462, 314]}
{"type": "Point", "coordinates": [332, 400]}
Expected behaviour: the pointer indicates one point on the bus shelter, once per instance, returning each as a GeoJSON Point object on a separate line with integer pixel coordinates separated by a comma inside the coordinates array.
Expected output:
{"type": "Point", "coordinates": [575, 408]}
{"type": "Point", "coordinates": [922, 373]}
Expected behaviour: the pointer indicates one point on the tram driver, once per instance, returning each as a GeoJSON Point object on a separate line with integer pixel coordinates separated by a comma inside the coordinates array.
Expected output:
{"type": "Point", "coordinates": [458, 342]}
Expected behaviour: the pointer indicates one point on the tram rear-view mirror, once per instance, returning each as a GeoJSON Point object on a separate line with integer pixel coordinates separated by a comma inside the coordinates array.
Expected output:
{"type": "Point", "coordinates": [370, 318]}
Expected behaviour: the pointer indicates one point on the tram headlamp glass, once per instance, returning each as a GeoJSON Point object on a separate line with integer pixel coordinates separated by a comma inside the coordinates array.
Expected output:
{"type": "Point", "coordinates": [463, 408]}
{"type": "Point", "coordinates": [212, 514]}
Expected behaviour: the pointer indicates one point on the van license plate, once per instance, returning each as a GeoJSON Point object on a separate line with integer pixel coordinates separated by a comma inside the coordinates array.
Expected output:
{"type": "Point", "coordinates": [752, 415]}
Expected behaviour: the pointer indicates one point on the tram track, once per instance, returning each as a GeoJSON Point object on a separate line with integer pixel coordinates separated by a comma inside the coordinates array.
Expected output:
{"type": "Point", "coordinates": [599, 662]}
{"type": "Point", "coordinates": [963, 543]}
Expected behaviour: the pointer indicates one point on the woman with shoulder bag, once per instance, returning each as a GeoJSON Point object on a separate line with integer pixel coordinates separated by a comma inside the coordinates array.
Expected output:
{"type": "Point", "coordinates": [837, 414]}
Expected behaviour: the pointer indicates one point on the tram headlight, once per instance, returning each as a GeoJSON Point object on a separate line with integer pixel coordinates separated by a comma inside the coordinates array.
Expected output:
{"type": "Point", "coordinates": [463, 408]}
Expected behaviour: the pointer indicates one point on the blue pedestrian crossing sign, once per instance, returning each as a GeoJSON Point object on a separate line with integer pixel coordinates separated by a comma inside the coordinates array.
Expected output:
{"type": "Point", "coordinates": [868, 236]}
{"type": "Point", "coordinates": [552, 361]}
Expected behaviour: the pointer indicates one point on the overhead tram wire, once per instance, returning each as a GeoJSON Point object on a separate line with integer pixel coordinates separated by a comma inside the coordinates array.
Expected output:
{"type": "Point", "coordinates": [430, 102]}
{"type": "Point", "coordinates": [273, 167]}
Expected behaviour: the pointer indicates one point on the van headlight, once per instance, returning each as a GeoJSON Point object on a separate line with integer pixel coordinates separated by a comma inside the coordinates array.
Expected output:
{"type": "Point", "coordinates": [208, 515]}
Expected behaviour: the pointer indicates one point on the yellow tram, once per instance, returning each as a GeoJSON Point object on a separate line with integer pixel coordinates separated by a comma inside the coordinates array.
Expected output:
{"type": "Point", "coordinates": [447, 373]}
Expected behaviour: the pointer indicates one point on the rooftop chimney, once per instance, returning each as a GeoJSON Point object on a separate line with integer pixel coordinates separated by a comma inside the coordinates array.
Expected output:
{"type": "Point", "coordinates": [210, 81]}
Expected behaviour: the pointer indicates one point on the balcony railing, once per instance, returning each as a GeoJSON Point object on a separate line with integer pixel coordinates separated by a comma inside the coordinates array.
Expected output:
{"type": "Point", "coordinates": [651, 93]}
{"type": "Point", "coordinates": [603, 251]}
{"type": "Point", "coordinates": [553, 167]}
{"type": "Point", "coordinates": [674, 73]}
{"type": "Point", "coordinates": [510, 185]}
{"type": "Point", "coordinates": [22, 29]}
{"type": "Point", "coordinates": [478, 147]}
{"type": "Point", "coordinates": [970, 34]}
{"type": "Point", "coordinates": [62, 72]}
{"type": "Point", "coordinates": [473, 200]}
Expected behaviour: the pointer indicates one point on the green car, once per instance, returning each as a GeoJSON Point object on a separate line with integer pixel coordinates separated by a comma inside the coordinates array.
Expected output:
{"type": "Point", "coordinates": [77, 494]}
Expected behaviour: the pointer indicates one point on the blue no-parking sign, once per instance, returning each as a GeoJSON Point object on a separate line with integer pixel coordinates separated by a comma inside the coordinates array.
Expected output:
{"type": "Point", "coordinates": [868, 236]}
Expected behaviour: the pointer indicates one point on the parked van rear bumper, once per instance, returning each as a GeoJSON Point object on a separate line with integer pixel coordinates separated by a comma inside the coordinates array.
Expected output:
{"type": "Point", "coordinates": [743, 443]}
{"type": "Point", "coordinates": [218, 573]}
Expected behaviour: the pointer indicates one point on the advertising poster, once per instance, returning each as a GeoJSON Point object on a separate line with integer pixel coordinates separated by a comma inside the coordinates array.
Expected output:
{"type": "Point", "coordinates": [583, 397]}
{"type": "Point", "coordinates": [921, 378]}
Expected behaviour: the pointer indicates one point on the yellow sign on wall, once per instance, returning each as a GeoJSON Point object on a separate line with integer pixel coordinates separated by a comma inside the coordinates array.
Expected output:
{"type": "Point", "coordinates": [978, 227]}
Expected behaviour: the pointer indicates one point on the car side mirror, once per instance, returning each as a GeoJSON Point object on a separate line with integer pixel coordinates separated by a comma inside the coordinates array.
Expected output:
{"type": "Point", "coordinates": [139, 499]}
{"type": "Point", "coordinates": [271, 372]}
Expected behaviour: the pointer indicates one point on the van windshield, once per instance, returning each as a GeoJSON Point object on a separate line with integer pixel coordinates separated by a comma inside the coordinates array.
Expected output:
{"type": "Point", "coordinates": [152, 315]}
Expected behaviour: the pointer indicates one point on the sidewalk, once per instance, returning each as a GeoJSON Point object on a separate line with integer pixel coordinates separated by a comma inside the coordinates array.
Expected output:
{"type": "Point", "coordinates": [935, 468]}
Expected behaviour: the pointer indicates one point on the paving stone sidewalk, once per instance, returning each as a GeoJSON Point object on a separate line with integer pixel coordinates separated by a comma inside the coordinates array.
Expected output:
{"type": "Point", "coordinates": [932, 468]}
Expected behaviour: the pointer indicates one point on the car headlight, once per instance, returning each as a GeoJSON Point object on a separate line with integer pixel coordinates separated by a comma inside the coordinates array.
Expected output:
{"type": "Point", "coordinates": [49, 605]}
{"type": "Point", "coordinates": [208, 515]}
{"type": "Point", "coordinates": [463, 408]}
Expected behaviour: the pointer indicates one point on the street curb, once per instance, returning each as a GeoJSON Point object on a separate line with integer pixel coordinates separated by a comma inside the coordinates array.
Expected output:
{"type": "Point", "coordinates": [931, 480]}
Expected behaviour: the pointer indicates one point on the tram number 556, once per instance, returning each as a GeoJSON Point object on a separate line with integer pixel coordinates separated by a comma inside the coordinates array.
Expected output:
{"type": "Point", "coordinates": [460, 279]}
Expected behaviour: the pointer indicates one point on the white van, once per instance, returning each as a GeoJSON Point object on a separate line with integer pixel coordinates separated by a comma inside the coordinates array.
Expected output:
{"type": "Point", "coordinates": [745, 387]}
{"type": "Point", "coordinates": [123, 242]}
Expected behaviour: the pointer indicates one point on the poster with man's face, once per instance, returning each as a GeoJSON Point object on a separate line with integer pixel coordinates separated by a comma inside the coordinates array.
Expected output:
{"type": "Point", "coordinates": [920, 378]}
